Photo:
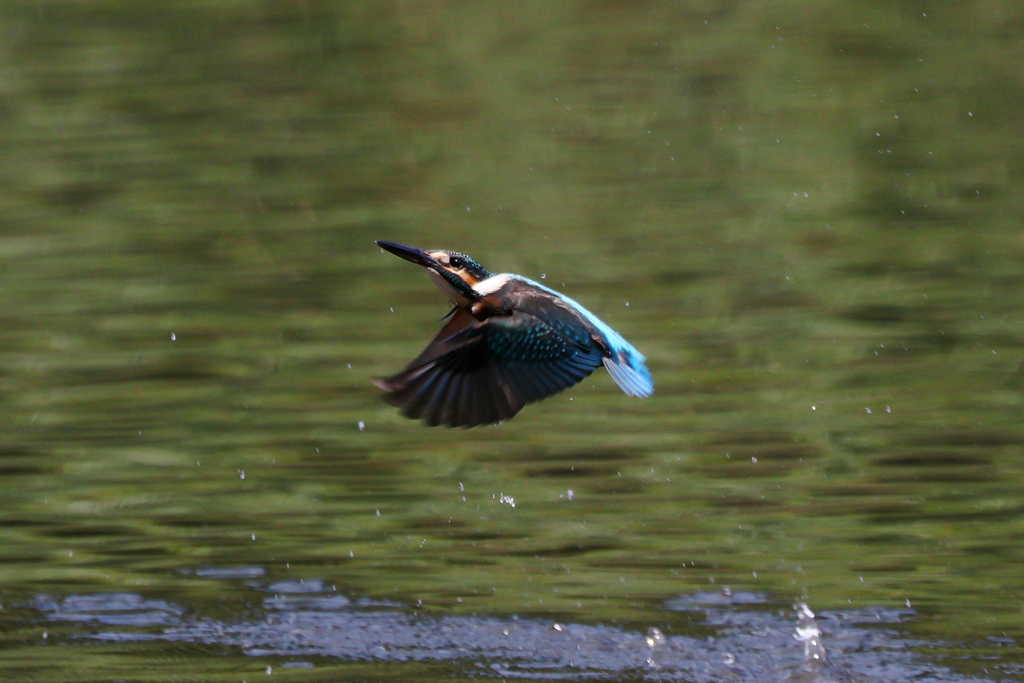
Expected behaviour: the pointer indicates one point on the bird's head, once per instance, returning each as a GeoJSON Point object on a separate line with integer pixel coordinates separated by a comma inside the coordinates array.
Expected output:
{"type": "Point", "coordinates": [458, 271]}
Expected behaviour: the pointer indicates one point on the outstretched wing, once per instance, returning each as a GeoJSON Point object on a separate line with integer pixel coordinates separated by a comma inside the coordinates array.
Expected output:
{"type": "Point", "coordinates": [624, 363]}
{"type": "Point", "coordinates": [477, 373]}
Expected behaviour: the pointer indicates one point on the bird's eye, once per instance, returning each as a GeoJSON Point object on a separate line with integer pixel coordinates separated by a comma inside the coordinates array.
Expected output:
{"type": "Point", "coordinates": [455, 262]}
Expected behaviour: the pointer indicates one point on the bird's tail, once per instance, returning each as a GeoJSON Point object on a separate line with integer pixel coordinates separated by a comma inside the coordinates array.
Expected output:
{"type": "Point", "coordinates": [630, 374]}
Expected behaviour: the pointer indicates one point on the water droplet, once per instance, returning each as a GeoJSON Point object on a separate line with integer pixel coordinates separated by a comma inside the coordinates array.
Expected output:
{"type": "Point", "coordinates": [807, 632]}
{"type": "Point", "coordinates": [654, 637]}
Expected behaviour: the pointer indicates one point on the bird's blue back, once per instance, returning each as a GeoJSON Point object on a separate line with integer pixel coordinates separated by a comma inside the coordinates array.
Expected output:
{"type": "Point", "coordinates": [626, 364]}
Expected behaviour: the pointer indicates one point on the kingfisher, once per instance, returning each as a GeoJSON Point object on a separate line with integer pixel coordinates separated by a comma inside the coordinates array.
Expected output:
{"type": "Point", "coordinates": [509, 341]}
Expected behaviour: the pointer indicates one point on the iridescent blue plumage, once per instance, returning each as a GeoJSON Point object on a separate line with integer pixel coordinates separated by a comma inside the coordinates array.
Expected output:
{"type": "Point", "coordinates": [510, 341]}
{"type": "Point", "coordinates": [625, 364]}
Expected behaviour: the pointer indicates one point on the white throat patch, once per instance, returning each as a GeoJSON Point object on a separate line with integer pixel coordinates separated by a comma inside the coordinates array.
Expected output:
{"type": "Point", "coordinates": [491, 284]}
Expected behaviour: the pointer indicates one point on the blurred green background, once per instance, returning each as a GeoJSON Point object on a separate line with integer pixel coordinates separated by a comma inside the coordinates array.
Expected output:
{"type": "Point", "coordinates": [806, 215]}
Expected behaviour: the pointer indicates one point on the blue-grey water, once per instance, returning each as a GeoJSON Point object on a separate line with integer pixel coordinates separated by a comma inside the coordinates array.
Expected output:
{"type": "Point", "coordinates": [807, 216]}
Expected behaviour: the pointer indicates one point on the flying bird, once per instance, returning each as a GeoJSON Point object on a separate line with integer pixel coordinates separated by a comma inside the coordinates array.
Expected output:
{"type": "Point", "coordinates": [509, 341]}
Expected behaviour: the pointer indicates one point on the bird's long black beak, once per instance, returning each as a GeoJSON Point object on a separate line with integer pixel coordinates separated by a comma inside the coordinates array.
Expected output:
{"type": "Point", "coordinates": [417, 256]}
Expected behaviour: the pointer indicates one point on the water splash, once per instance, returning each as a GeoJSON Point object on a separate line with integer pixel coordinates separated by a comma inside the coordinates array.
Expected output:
{"type": "Point", "coordinates": [808, 633]}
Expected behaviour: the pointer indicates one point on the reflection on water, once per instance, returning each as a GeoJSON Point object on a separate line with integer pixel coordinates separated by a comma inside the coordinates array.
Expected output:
{"type": "Point", "coordinates": [307, 625]}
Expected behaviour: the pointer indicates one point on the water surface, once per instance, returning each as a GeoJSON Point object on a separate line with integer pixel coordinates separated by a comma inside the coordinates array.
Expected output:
{"type": "Point", "coordinates": [806, 216]}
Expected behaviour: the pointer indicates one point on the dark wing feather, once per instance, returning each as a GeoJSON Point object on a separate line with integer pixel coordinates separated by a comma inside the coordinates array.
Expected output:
{"type": "Point", "coordinates": [458, 321]}
{"type": "Point", "coordinates": [477, 373]}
